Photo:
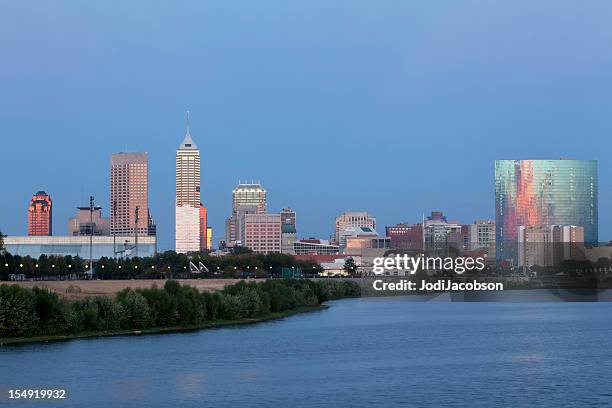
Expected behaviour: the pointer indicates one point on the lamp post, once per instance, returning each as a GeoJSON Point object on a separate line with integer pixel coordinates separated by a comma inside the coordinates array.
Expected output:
{"type": "Point", "coordinates": [91, 210]}
{"type": "Point", "coordinates": [136, 231]}
{"type": "Point", "coordinates": [113, 229]}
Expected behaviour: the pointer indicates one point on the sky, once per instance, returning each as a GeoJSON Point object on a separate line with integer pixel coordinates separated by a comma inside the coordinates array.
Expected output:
{"type": "Point", "coordinates": [394, 107]}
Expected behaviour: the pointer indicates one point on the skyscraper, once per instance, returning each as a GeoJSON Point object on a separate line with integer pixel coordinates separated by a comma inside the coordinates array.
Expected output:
{"type": "Point", "coordinates": [246, 198]}
{"type": "Point", "coordinates": [249, 194]}
{"type": "Point", "coordinates": [543, 193]}
{"type": "Point", "coordinates": [40, 220]}
{"type": "Point", "coordinates": [187, 227]}
{"type": "Point", "coordinates": [129, 194]}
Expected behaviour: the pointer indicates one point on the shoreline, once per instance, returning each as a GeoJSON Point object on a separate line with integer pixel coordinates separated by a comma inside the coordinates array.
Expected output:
{"type": "Point", "coordinates": [14, 341]}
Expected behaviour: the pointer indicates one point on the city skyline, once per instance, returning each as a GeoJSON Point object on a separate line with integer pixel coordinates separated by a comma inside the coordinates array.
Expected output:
{"type": "Point", "coordinates": [317, 122]}
{"type": "Point", "coordinates": [140, 159]}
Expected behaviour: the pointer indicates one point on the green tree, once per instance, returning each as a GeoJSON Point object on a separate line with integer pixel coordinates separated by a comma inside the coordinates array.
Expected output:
{"type": "Point", "coordinates": [135, 313]}
{"type": "Point", "coordinates": [50, 310]}
{"type": "Point", "coordinates": [349, 266]}
{"type": "Point", "coordinates": [17, 311]}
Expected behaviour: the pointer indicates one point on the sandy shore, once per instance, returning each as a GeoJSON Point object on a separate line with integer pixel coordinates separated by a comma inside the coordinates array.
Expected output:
{"type": "Point", "coordinates": [84, 288]}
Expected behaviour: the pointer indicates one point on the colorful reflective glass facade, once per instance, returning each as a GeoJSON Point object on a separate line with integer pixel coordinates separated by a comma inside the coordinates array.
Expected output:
{"type": "Point", "coordinates": [543, 192]}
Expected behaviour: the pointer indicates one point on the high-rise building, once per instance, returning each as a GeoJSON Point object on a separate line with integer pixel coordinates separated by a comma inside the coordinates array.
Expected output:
{"type": "Point", "coordinates": [40, 211]}
{"type": "Point", "coordinates": [288, 216]}
{"type": "Point", "coordinates": [249, 194]}
{"type": "Point", "coordinates": [87, 223]}
{"type": "Point", "coordinates": [246, 198]}
{"type": "Point", "coordinates": [543, 192]}
{"type": "Point", "coordinates": [203, 229]}
{"type": "Point", "coordinates": [261, 233]}
{"type": "Point", "coordinates": [352, 219]}
{"type": "Point", "coordinates": [129, 194]}
{"type": "Point", "coordinates": [187, 228]}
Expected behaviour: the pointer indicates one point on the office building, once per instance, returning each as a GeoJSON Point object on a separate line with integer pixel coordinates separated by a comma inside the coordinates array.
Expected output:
{"type": "Point", "coordinates": [546, 246]}
{"type": "Point", "coordinates": [355, 233]}
{"type": "Point", "coordinates": [288, 238]}
{"type": "Point", "coordinates": [129, 194]}
{"type": "Point", "coordinates": [40, 215]}
{"type": "Point", "coordinates": [441, 236]}
{"type": "Point", "coordinates": [249, 194]}
{"type": "Point", "coordinates": [482, 237]}
{"type": "Point", "coordinates": [86, 223]}
{"type": "Point", "coordinates": [288, 217]}
{"type": "Point", "coordinates": [188, 233]}
{"type": "Point", "coordinates": [246, 198]}
{"type": "Point", "coordinates": [261, 233]}
{"type": "Point", "coordinates": [352, 219]}
{"type": "Point", "coordinates": [405, 236]}
{"type": "Point", "coordinates": [543, 192]}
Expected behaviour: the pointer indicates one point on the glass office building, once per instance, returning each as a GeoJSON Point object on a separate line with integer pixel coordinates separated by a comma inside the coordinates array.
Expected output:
{"type": "Point", "coordinates": [543, 192]}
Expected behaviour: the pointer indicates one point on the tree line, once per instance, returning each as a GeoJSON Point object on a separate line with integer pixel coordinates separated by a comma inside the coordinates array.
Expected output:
{"type": "Point", "coordinates": [30, 312]}
{"type": "Point", "coordinates": [163, 265]}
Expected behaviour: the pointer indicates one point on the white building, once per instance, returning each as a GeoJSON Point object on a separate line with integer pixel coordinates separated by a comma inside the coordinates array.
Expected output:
{"type": "Point", "coordinates": [102, 246]}
{"type": "Point", "coordinates": [187, 226]}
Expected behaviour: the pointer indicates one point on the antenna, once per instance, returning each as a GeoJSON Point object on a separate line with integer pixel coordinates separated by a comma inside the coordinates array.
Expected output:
{"type": "Point", "coordinates": [188, 121]}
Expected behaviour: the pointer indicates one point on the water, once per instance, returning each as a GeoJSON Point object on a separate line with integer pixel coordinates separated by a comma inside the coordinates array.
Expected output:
{"type": "Point", "coordinates": [360, 352]}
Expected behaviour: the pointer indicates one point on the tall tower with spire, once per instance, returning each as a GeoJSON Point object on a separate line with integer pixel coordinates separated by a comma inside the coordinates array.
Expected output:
{"type": "Point", "coordinates": [188, 233]}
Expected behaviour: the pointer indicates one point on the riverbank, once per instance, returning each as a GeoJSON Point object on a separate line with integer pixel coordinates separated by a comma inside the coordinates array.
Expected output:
{"type": "Point", "coordinates": [161, 330]}
{"type": "Point", "coordinates": [79, 289]}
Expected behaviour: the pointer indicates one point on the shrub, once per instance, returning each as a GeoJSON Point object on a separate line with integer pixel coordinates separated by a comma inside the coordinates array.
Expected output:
{"type": "Point", "coordinates": [135, 312]}
{"type": "Point", "coordinates": [17, 311]}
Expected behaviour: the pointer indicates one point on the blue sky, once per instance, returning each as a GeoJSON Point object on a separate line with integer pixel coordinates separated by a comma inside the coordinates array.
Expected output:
{"type": "Point", "coordinates": [394, 107]}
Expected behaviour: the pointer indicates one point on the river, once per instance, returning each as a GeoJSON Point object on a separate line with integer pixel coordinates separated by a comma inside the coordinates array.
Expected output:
{"type": "Point", "coordinates": [384, 352]}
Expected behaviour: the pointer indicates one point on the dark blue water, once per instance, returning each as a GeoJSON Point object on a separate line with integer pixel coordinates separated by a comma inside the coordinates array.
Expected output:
{"type": "Point", "coordinates": [360, 352]}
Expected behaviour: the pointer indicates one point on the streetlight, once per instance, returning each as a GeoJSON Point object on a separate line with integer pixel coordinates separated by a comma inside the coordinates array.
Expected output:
{"type": "Point", "coordinates": [91, 210]}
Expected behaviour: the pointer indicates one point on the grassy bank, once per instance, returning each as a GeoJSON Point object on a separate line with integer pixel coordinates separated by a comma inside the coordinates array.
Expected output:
{"type": "Point", "coordinates": [161, 330]}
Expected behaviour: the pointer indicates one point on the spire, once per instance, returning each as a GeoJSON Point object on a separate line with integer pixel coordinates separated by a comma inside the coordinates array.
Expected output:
{"type": "Point", "coordinates": [187, 123]}
{"type": "Point", "coordinates": [188, 143]}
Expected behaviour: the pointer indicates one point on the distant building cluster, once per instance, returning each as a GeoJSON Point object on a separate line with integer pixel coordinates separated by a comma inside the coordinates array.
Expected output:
{"type": "Point", "coordinates": [545, 212]}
